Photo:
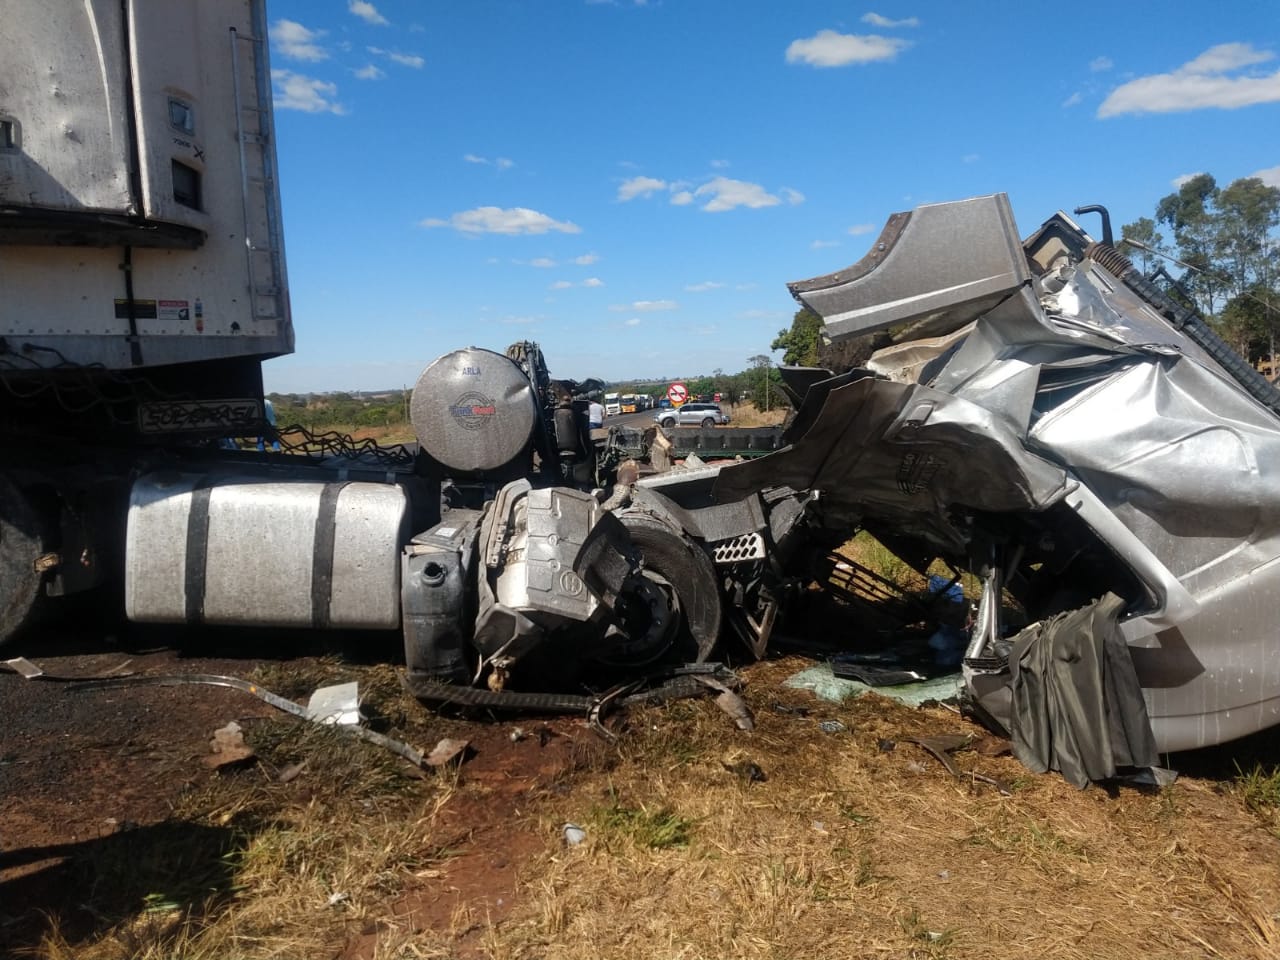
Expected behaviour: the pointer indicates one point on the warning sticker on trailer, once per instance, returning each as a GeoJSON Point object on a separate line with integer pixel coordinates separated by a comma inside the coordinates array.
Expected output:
{"type": "Point", "coordinates": [176, 311]}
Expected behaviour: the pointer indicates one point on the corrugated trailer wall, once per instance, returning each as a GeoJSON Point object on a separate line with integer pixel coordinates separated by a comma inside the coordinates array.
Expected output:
{"type": "Point", "coordinates": [139, 211]}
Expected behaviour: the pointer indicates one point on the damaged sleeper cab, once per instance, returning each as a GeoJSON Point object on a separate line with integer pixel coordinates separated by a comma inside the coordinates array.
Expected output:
{"type": "Point", "coordinates": [1069, 432]}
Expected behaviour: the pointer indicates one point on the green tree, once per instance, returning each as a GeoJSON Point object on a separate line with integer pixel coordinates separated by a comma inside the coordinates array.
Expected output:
{"type": "Point", "coordinates": [1248, 322]}
{"type": "Point", "coordinates": [800, 343]}
{"type": "Point", "coordinates": [1190, 213]}
{"type": "Point", "coordinates": [762, 378]}
{"type": "Point", "coordinates": [1144, 231]}
{"type": "Point", "coordinates": [1248, 209]}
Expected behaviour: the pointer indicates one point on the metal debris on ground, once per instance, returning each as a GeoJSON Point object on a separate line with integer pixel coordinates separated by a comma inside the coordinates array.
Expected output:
{"type": "Point", "coordinates": [941, 747]}
{"type": "Point", "coordinates": [731, 703]}
{"type": "Point", "coordinates": [398, 747]}
{"type": "Point", "coordinates": [31, 671]}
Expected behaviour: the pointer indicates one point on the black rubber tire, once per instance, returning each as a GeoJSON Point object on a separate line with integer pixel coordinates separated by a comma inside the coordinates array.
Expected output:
{"type": "Point", "coordinates": [669, 422]}
{"type": "Point", "coordinates": [708, 423]}
{"type": "Point", "coordinates": [21, 543]}
{"type": "Point", "coordinates": [690, 571]}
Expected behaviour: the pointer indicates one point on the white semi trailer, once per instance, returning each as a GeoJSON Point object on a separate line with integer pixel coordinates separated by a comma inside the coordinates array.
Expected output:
{"type": "Point", "coordinates": [142, 284]}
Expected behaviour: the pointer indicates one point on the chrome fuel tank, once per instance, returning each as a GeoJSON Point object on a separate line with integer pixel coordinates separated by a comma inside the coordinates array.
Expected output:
{"type": "Point", "coordinates": [237, 550]}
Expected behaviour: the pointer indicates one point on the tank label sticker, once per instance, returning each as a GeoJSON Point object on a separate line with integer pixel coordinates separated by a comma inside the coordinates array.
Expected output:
{"type": "Point", "coordinates": [473, 410]}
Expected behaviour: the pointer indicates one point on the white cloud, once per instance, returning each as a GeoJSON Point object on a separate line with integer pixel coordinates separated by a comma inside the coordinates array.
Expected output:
{"type": "Point", "coordinates": [295, 91]}
{"type": "Point", "coordinates": [858, 229]}
{"type": "Point", "coordinates": [719, 164]}
{"type": "Point", "coordinates": [408, 60]}
{"type": "Point", "coordinates": [681, 199]}
{"type": "Point", "coordinates": [369, 72]}
{"type": "Point", "coordinates": [404, 59]}
{"type": "Point", "coordinates": [1269, 176]}
{"type": "Point", "coordinates": [1178, 181]}
{"type": "Point", "coordinates": [1100, 64]}
{"type": "Point", "coordinates": [827, 48]}
{"type": "Point", "coordinates": [726, 194]}
{"type": "Point", "coordinates": [593, 282]}
{"type": "Point", "coordinates": [704, 286]}
{"type": "Point", "coordinates": [589, 282]}
{"type": "Point", "coordinates": [296, 42]}
{"type": "Point", "coordinates": [884, 22]}
{"type": "Point", "coordinates": [971, 158]}
{"type": "Point", "coordinates": [510, 221]}
{"type": "Point", "coordinates": [644, 306]}
{"type": "Point", "coordinates": [513, 319]}
{"type": "Point", "coordinates": [367, 12]}
{"type": "Point", "coordinates": [586, 259]}
{"type": "Point", "coordinates": [821, 244]}
{"type": "Point", "coordinates": [561, 285]}
{"type": "Point", "coordinates": [1203, 83]}
{"type": "Point", "coordinates": [543, 262]}
{"type": "Point", "coordinates": [639, 187]}
{"type": "Point", "coordinates": [793, 197]}
{"type": "Point", "coordinates": [502, 163]}
{"type": "Point", "coordinates": [1072, 100]}
{"type": "Point", "coordinates": [633, 322]}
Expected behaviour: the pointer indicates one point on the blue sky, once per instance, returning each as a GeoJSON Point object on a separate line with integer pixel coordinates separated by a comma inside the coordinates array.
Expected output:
{"type": "Point", "coordinates": [631, 184]}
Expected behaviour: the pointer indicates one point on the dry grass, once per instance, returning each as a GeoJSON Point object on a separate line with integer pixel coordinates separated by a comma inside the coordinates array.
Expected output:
{"type": "Point", "coordinates": [845, 850]}
{"type": "Point", "coordinates": [848, 851]}
{"type": "Point", "coordinates": [746, 414]}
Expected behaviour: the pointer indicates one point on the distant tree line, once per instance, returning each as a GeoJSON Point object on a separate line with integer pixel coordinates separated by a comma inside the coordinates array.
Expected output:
{"type": "Point", "coordinates": [323, 411]}
{"type": "Point", "coordinates": [1224, 255]}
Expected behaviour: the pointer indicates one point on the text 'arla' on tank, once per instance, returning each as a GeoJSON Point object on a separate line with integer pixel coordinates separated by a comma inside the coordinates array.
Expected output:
{"type": "Point", "coordinates": [474, 411]}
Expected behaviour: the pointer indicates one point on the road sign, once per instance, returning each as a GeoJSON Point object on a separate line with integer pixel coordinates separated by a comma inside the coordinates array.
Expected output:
{"type": "Point", "coordinates": [677, 393]}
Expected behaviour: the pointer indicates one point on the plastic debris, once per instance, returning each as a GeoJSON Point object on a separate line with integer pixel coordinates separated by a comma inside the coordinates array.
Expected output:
{"type": "Point", "coordinates": [339, 703]}
{"type": "Point", "coordinates": [228, 747]}
{"type": "Point", "coordinates": [574, 834]}
{"type": "Point", "coordinates": [832, 726]}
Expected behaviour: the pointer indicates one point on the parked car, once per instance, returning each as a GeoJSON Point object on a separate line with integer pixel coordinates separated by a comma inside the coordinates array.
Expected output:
{"type": "Point", "coordinates": [693, 414]}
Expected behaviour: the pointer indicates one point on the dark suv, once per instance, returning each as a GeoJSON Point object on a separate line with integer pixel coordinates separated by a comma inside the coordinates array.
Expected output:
{"type": "Point", "coordinates": [693, 414]}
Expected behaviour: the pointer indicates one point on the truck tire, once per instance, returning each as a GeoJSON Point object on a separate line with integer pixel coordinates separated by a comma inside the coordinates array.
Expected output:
{"type": "Point", "coordinates": [684, 565]}
{"type": "Point", "coordinates": [21, 544]}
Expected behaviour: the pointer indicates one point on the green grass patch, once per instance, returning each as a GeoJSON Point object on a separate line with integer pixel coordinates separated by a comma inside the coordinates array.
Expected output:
{"type": "Point", "coordinates": [659, 829]}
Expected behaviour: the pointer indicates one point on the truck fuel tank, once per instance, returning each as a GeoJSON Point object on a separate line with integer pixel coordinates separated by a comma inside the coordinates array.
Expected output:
{"type": "Point", "coordinates": [238, 550]}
